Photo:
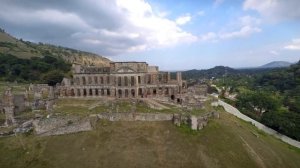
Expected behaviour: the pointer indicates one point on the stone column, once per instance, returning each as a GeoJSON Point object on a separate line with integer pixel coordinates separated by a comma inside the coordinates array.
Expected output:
{"type": "Point", "coordinates": [79, 94]}
{"type": "Point", "coordinates": [80, 80]}
{"type": "Point", "coordinates": [122, 81]}
{"type": "Point", "coordinates": [169, 77]}
{"type": "Point", "coordinates": [129, 81]}
{"type": "Point", "coordinates": [108, 80]}
{"type": "Point", "coordinates": [75, 92]}
{"type": "Point", "coordinates": [113, 92]}
{"type": "Point", "coordinates": [8, 106]}
{"type": "Point", "coordinates": [82, 92]}
{"type": "Point", "coordinates": [136, 80]}
{"type": "Point", "coordinates": [151, 92]}
{"type": "Point", "coordinates": [178, 76]}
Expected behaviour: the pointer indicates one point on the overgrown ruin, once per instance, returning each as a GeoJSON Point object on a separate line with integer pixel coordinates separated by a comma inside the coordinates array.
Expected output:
{"type": "Point", "coordinates": [151, 95]}
{"type": "Point", "coordinates": [122, 80]}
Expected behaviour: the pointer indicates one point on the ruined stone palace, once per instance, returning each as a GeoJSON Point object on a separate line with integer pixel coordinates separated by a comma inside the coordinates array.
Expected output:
{"type": "Point", "coordinates": [122, 80]}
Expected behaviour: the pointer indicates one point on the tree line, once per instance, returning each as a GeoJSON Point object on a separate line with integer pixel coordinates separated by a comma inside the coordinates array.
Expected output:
{"type": "Point", "coordinates": [44, 69]}
{"type": "Point", "coordinates": [272, 98]}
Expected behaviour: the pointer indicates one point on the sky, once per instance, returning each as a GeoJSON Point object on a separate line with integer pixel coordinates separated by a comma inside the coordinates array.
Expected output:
{"type": "Point", "coordinates": [173, 34]}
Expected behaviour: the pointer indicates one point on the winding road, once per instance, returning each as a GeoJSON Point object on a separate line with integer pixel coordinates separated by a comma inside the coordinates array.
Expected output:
{"type": "Point", "coordinates": [232, 110]}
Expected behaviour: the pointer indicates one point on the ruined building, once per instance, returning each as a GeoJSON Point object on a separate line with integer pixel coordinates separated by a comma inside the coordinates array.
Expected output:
{"type": "Point", "coordinates": [8, 107]}
{"type": "Point", "coordinates": [121, 80]}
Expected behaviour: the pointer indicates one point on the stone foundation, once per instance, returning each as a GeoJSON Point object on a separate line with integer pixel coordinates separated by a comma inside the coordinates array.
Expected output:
{"type": "Point", "coordinates": [135, 116]}
{"type": "Point", "coordinates": [61, 125]}
{"type": "Point", "coordinates": [195, 122]}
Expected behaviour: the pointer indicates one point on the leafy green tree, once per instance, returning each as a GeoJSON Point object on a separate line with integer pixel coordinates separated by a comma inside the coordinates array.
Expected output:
{"type": "Point", "coordinates": [53, 77]}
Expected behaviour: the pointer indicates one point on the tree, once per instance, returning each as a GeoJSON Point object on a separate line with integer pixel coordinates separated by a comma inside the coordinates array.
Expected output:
{"type": "Point", "coordinates": [258, 101]}
{"type": "Point", "coordinates": [53, 77]}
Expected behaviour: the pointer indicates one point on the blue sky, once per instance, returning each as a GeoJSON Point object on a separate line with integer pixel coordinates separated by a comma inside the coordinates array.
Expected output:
{"type": "Point", "coordinates": [173, 34]}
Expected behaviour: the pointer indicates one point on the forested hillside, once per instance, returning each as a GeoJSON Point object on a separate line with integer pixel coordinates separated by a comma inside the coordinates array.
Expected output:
{"type": "Point", "coordinates": [272, 98]}
{"type": "Point", "coordinates": [47, 69]}
{"type": "Point", "coordinates": [222, 71]}
{"type": "Point", "coordinates": [26, 50]}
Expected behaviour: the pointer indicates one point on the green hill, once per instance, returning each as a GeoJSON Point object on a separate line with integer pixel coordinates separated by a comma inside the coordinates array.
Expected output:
{"type": "Point", "coordinates": [25, 49]}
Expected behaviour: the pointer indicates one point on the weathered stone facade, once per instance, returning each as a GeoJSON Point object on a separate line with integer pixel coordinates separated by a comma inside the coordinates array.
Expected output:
{"type": "Point", "coordinates": [121, 80]}
{"type": "Point", "coordinates": [8, 106]}
{"type": "Point", "coordinates": [193, 121]}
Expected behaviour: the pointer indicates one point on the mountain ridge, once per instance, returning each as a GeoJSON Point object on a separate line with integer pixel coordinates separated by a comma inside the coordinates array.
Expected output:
{"type": "Point", "coordinates": [26, 49]}
{"type": "Point", "coordinates": [276, 64]}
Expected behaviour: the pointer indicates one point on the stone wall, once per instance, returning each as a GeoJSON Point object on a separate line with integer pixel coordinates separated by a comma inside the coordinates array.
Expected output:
{"type": "Point", "coordinates": [194, 122]}
{"type": "Point", "coordinates": [19, 103]}
{"type": "Point", "coordinates": [61, 125]}
{"type": "Point", "coordinates": [135, 116]}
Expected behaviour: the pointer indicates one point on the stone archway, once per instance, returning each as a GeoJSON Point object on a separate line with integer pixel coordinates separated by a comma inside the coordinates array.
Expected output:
{"type": "Point", "coordinates": [84, 92]}
{"type": "Point", "coordinates": [132, 92]}
{"type": "Point", "coordinates": [154, 92]}
{"type": "Point", "coordinates": [172, 97]}
{"type": "Point", "coordinates": [78, 92]}
{"type": "Point", "coordinates": [72, 92]}
{"type": "Point", "coordinates": [119, 93]}
{"type": "Point", "coordinates": [140, 92]}
{"type": "Point", "coordinates": [90, 92]}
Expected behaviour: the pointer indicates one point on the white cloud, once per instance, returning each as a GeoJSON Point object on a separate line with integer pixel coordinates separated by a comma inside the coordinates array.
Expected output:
{"type": "Point", "coordinates": [210, 36]}
{"type": "Point", "coordinates": [218, 3]}
{"type": "Point", "coordinates": [163, 14]}
{"type": "Point", "coordinates": [273, 52]}
{"type": "Point", "coordinates": [157, 30]}
{"type": "Point", "coordinates": [244, 27]}
{"type": "Point", "coordinates": [106, 27]}
{"type": "Point", "coordinates": [201, 13]}
{"type": "Point", "coordinates": [275, 10]}
{"type": "Point", "coordinates": [243, 32]}
{"type": "Point", "coordinates": [249, 21]}
{"type": "Point", "coordinates": [182, 20]}
{"type": "Point", "coordinates": [294, 45]}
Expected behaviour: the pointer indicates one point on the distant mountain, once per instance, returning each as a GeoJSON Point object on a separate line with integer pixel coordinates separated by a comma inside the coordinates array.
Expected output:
{"type": "Point", "coordinates": [222, 71]}
{"type": "Point", "coordinates": [216, 72]}
{"type": "Point", "coordinates": [26, 50]}
{"type": "Point", "coordinates": [276, 64]}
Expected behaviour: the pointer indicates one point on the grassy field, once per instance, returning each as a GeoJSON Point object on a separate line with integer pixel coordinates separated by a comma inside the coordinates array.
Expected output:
{"type": "Point", "coordinates": [225, 142]}
{"type": "Point", "coordinates": [96, 105]}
